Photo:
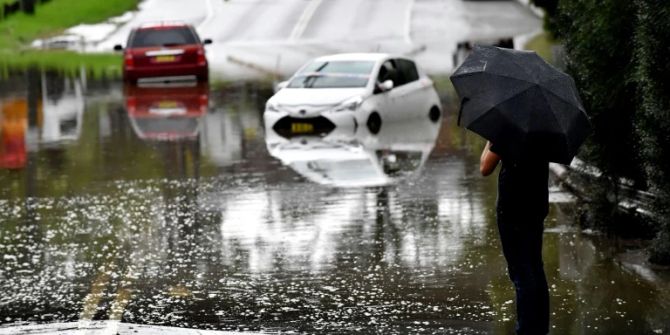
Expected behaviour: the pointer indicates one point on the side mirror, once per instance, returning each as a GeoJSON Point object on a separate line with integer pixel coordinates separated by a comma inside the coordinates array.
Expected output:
{"type": "Point", "coordinates": [207, 41]}
{"type": "Point", "coordinates": [281, 85]}
{"type": "Point", "coordinates": [118, 47]}
{"type": "Point", "coordinates": [385, 86]}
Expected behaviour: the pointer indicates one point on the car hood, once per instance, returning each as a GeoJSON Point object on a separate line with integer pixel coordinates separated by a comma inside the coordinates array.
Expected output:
{"type": "Point", "coordinates": [315, 96]}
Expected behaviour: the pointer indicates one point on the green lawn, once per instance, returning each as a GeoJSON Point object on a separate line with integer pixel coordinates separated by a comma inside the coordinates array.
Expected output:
{"type": "Point", "coordinates": [51, 19]}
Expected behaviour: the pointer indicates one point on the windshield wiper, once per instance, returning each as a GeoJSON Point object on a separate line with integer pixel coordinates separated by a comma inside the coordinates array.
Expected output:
{"type": "Point", "coordinates": [318, 69]}
{"type": "Point", "coordinates": [309, 81]}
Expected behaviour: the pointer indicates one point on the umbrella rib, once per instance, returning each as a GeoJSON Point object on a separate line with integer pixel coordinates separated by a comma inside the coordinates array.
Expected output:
{"type": "Point", "coordinates": [553, 114]}
{"type": "Point", "coordinates": [524, 69]}
{"type": "Point", "coordinates": [561, 98]}
{"type": "Point", "coordinates": [578, 107]}
{"type": "Point", "coordinates": [501, 102]}
{"type": "Point", "coordinates": [521, 82]}
{"type": "Point", "coordinates": [470, 74]}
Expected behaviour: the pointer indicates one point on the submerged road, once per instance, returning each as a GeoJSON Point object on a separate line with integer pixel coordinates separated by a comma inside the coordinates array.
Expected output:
{"type": "Point", "coordinates": [107, 223]}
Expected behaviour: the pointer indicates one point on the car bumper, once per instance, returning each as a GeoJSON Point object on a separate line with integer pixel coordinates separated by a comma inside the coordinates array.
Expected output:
{"type": "Point", "coordinates": [326, 125]}
{"type": "Point", "coordinates": [200, 72]}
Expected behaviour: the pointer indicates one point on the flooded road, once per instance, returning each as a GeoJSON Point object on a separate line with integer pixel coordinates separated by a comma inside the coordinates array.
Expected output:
{"type": "Point", "coordinates": [174, 207]}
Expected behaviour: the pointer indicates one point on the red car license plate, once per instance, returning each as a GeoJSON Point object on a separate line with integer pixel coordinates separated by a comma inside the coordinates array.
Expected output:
{"type": "Point", "coordinates": [165, 59]}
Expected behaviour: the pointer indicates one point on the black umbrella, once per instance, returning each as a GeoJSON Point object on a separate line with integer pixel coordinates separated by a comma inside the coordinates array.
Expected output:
{"type": "Point", "coordinates": [523, 105]}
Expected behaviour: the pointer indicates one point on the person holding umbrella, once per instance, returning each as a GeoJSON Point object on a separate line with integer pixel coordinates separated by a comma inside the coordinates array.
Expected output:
{"type": "Point", "coordinates": [531, 115]}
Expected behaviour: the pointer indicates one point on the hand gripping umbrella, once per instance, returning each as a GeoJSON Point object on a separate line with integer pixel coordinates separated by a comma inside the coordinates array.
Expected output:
{"type": "Point", "coordinates": [524, 106]}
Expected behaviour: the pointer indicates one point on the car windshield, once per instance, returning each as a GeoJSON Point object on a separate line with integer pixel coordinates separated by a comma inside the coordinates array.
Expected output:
{"type": "Point", "coordinates": [162, 37]}
{"type": "Point", "coordinates": [333, 74]}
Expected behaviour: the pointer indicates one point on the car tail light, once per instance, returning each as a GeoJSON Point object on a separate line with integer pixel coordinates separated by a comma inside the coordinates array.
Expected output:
{"type": "Point", "coordinates": [202, 60]}
{"type": "Point", "coordinates": [131, 105]}
{"type": "Point", "coordinates": [204, 103]}
{"type": "Point", "coordinates": [129, 61]}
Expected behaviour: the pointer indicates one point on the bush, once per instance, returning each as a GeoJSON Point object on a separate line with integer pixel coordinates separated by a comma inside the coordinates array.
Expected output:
{"type": "Point", "coordinates": [652, 56]}
{"type": "Point", "coordinates": [599, 48]}
{"type": "Point", "coordinates": [550, 7]}
{"type": "Point", "coordinates": [619, 54]}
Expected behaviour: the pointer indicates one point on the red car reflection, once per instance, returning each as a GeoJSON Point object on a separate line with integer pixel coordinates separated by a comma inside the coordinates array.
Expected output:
{"type": "Point", "coordinates": [164, 52]}
{"type": "Point", "coordinates": [167, 113]}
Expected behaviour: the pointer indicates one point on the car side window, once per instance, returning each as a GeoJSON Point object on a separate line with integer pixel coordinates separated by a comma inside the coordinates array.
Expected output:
{"type": "Point", "coordinates": [407, 70]}
{"type": "Point", "coordinates": [388, 71]}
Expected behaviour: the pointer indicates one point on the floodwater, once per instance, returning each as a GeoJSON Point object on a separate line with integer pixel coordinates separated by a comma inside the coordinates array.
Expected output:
{"type": "Point", "coordinates": [175, 207]}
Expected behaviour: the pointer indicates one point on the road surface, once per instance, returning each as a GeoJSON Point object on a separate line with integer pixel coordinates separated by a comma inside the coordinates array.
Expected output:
{"type": "Point", "coordinates": [261, 38]}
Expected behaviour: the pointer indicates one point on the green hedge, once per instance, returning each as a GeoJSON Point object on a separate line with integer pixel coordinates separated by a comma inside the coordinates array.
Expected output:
{"type": "Point", "coordinates": [619, 54]}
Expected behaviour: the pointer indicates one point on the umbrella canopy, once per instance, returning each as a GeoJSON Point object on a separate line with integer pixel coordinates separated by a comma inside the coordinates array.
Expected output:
{"type": "Point", "coordinates": [522, 104]}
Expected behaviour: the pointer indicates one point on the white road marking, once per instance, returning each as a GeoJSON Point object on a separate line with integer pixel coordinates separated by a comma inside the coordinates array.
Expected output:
{"type": "Point", "coordinates": [408, 22]}
{"type": "Point", "coordinates": [306, 16]}
{"type": "Point", "coordinates": [210, 14]}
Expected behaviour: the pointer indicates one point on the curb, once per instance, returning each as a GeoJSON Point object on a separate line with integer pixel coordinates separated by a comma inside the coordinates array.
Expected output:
{"type": "Point", "coordinates": [631, 199]}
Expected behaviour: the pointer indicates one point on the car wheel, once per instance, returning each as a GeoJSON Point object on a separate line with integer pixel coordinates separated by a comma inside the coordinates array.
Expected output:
{"type": "Point", "coordinates": [374, 123]}
{"type": "Point", "coordinates": [434, 114]}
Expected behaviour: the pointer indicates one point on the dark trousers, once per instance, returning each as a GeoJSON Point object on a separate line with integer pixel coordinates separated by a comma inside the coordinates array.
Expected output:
{"type": "Point", "coordinates": [521, 237]}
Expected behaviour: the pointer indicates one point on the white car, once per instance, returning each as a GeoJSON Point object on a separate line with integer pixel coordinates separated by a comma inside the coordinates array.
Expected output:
{"type": "Point", "coordinates": [350, 90]}
{"type": "Point", "coordinates": [397, 152]}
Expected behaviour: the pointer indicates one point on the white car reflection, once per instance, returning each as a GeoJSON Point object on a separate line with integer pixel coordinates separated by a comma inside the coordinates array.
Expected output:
{"type": "Point", "coordinates": [351, 90]}
{"type": "Point", "coordinates": [362, 159]}
{"type": "Point", "coordinates": [61, 113]}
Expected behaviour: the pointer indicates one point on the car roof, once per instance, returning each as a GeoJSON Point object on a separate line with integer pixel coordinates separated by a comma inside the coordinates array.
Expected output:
{"type": "Point", "coordinates": [162, 25]}
{"type": "Point", "coordinates": [354, 57]}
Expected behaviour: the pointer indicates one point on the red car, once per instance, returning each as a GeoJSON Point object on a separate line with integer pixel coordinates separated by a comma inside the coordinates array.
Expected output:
{"type": "Point", "coordinates": [164, 52]}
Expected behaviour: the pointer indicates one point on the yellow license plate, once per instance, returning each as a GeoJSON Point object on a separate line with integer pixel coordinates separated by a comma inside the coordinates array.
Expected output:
{"type": "Point", "coordinates": [165, 59]}
{"type": "Point", "coordinates": [302, 128]}
{"type": "Point", "coordinates": [167, 104]}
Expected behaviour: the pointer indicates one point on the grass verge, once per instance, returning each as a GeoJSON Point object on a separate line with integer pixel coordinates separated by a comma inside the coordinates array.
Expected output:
{"type": "Point", "coordinates": [51, 19]}
{"type": "Point", "coordinates": [97, 65]}
{"type": "Point", "coordinates": [542, 44]}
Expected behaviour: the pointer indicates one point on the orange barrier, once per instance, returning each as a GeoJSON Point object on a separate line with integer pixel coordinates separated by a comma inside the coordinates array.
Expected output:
{"type": "Point", "coordinates": [13, 125]}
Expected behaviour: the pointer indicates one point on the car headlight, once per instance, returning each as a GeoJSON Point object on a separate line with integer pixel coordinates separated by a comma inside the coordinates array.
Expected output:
{"type": "Point", "coordinates": [349, 105]}
{"type": "Point", "coordinates": [272, 107]}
